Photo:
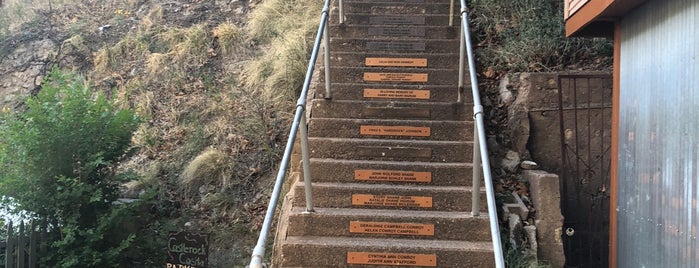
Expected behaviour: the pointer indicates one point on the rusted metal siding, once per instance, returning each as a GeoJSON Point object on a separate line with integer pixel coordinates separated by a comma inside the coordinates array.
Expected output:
{"type": "Point", "coordinates": [659, 136]}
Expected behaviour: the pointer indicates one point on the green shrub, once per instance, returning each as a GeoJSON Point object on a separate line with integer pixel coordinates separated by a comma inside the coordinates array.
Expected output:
{"type": "Point", "coordinates": [58, 160]}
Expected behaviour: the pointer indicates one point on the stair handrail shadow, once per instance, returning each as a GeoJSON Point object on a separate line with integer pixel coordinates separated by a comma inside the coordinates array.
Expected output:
{"type": "Point", "coordinates": [479, 139]}
{"type": "Point", "coordinates": [299, 125]}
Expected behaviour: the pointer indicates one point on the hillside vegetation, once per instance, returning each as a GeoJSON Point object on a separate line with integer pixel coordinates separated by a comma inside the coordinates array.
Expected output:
{"type": "Point", "coordinates": [212, 84]}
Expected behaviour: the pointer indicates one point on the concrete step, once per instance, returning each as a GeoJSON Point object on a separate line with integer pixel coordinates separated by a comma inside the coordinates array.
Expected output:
{"type": "Point", "coordinates": [392, 75]}
{"type": "Point", "coordinates": [359, 59]}
{"type": "Point", "coordinates": [315, 251]}
{"type": "Point", "coordinates": [391, 129]}
{"type": "Point", "coordinates": [391, 110]}
{"type": "Point", "coordinates": [391, 150]}
{"type": "Point", "coordinates": [391, 172]}
{"type": "Point", "coordinates": [382, 92]}
{"type": "Point", "coordinates": [403, 31]}
{"type": "Point", "coordinates": [387, 19]}
{"type": "Point", "coordinates": [394, 45]}
{"type": "Point", "coordinates": [385, 196]}
{"type": "Point", "coordinates": [389, 224]}
{"type": "Point", "coordinates": [396, 8]}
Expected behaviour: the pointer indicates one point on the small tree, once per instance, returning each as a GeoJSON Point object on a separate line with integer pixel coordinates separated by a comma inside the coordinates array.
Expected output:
{"type": "Point", "coordinates": [57, 160]}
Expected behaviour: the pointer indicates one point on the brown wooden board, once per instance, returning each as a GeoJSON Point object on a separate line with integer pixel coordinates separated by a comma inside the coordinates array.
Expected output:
{"type": "Point", "coordinates": [396, 62]}
{"type": "Point", "coordinates": [400, 20]}
{"type": "Point", "coordinates": [410, 46]}
{"type": "Point", "coordinates": [392, 201]}
{"type": "Point", "coordinates": [396, 31]}
{"type": "Point", "coordinates": [396, 77]}
{"type": "Point", "coordinates": [386, 151]}
{"type": "Point", "coordinates": [391, 228]}
{"type": "Point", "coordinates": [407, 131]}
{"type": "Point", "coordinates": [392, 259]}
{"type": "Point", "coordinates": [400, 112]}
{"type": "Point", "coordinates": [396, 94]}
{"type": "Point", "coordinates": [392, 176]}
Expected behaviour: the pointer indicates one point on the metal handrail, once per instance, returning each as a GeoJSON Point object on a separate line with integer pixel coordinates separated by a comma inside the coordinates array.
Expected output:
{"type": "Point", "coordinates": [479, 140]}
{"type": "Point", "coordinates": [298, 125]}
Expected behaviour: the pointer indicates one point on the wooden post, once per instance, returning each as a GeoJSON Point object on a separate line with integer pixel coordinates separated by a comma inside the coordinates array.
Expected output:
{"type": "Point", "coordinates": [9, 254]}
{"type": "Point", "coordinates": [21, 245]}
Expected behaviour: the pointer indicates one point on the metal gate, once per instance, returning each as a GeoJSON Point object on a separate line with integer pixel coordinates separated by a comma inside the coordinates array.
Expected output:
{"type": "Point", "coordinates": [585, 109]}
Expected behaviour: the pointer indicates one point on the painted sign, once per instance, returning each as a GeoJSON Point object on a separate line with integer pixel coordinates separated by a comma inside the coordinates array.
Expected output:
{"type": "Point", "coordinates": [187, 250]}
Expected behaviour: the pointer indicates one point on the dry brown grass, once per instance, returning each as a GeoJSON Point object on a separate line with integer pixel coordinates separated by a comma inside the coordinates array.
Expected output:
{"type": "Point", "coordinates": [229, 38]}
{"type": "Point", "coordinates": [211, 167]}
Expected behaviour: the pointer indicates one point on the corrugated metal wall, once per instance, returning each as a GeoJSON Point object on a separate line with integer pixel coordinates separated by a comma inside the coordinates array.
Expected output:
{"type": "Point", "coordinates": [659, 136]}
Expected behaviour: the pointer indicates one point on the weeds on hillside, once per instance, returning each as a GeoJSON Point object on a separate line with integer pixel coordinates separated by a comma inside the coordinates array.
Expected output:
{"type": "Point", "coordinates": [529, 36]}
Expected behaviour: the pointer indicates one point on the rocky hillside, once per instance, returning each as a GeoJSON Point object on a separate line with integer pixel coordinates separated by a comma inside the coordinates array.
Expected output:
{"type": "Point", "coordinates": [212, 81]}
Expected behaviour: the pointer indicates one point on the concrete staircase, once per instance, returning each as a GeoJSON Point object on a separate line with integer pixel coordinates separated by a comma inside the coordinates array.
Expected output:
{"type": "Point", "coordinates": [391, 150]}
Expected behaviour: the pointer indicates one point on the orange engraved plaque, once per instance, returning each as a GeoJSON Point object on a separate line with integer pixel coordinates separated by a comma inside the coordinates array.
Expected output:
{"type": "Point", "coordinates": [392, 259]}
{"type": "Point", "coordinates": [396, 62]}
{"type": "Point", "coordinates": [392, 201]}
{"type": "Point", "coordinates": [395, 131]}
{"type": "Point", "coordinates": [391, 228]}
{"type": "Point", "coordinates": [392, 175]}
{"type": "Point", "coordinates": [395, 77]}
{"type": "Point", "coordinates": [397, 94]}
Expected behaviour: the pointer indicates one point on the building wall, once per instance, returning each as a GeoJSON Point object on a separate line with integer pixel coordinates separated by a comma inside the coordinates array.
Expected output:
{"type": "Point", "coordinates": [659, 136]}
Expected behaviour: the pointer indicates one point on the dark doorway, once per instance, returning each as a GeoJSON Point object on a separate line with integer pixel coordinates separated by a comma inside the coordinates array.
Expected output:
{"type": "Point", "coordinates": [585, 109]}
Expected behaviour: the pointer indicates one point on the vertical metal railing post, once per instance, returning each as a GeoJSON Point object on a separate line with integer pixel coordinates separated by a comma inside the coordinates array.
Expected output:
{"type": "Point", "coordinates": [341, 12]}
{"type": "Point", "coordinates": [306, 163]}
{"type": "Point", "coordinates": [258, 252]}
{"type": "Point", "coordinates": [476, 192]}
{"type": "Point", "coordinates": [451, 13]}
{"type": "Point", "coordinates": [462, 67]}
{"type": "Point", "coordinates": [480, 126]}
{"type": "Point", "coordinates": [326, 58]}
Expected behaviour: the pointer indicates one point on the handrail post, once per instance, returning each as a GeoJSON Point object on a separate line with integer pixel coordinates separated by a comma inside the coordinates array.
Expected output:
{"type": "Point", "coordinates": [306, 163]}
{"type": "Point", "coordinates": [462, 67]}
{"type": "Point", "coordinates": [341, 12]}
{"type": "Point", "coordinates": [451, 13]}
{"type": "Point", "coordinates": [476, 192]}
{"type": "Point", "coordinates": [326, 57]}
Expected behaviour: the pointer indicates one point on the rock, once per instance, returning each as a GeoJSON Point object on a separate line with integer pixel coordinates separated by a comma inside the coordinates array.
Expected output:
{"type": "Point", "coordinates": [511, 161]}
{"type": "Point", "coordinates": [506, 96]}
{"type": "Point", "coordinates": [528, 165]}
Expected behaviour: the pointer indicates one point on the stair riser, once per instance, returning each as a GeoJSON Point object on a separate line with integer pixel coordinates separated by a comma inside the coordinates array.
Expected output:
{"type": "Point", "coordinates": [345, 172]}
{"type": "Point", "coordinates": [316, 256]}
{"type": "Point", "coordinates": [382, 129]}
{"type": "Point", "coordinates": [413, 9]}
{"type": "Point", "coordinates": [357, 75]}
{"type": "Point", "coordinates": [391, 110]}
{"type": "Point", "coordinates": [366, 19]}
{"type": "Point", "coordinates": [397, 31]}
{"type": "Point", "coordinates": [391, 150]}
{"type": "Point", "coordinates": [466, 229]}
{"type": "Point", "coordinates": [442, 200]}
{"type": "Point", "coordinates": [377, 46]}
{"type": "Point", "coordinates": [359, 59]}
{"type": "Point", "coordinates": [357, 92]}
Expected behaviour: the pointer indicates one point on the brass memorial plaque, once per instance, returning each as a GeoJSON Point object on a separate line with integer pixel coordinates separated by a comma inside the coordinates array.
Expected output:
{"type": "Point", "coordinates": [395, 131]}
{"type": "Point", "coordinates": [400, 20]}
{"type": "Point", "coordinates": [396, 94]}
{"type": "Point", "coordinates": [392, 201]}
{"type": "Point", "coordinates": [396, 31]}
{"type": "Point", "coordinates": [392, 259]}
{"type": "Point", "coordinates": [396, 62]}
{"type": "Point", "coordinates": [410, 46]}
{"type": "Point", "coordinates": [391, 228]}
{"type": "Point", "coordinates": [395, 77]}
{"type": "Point", "coordinates": [392, 176]}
